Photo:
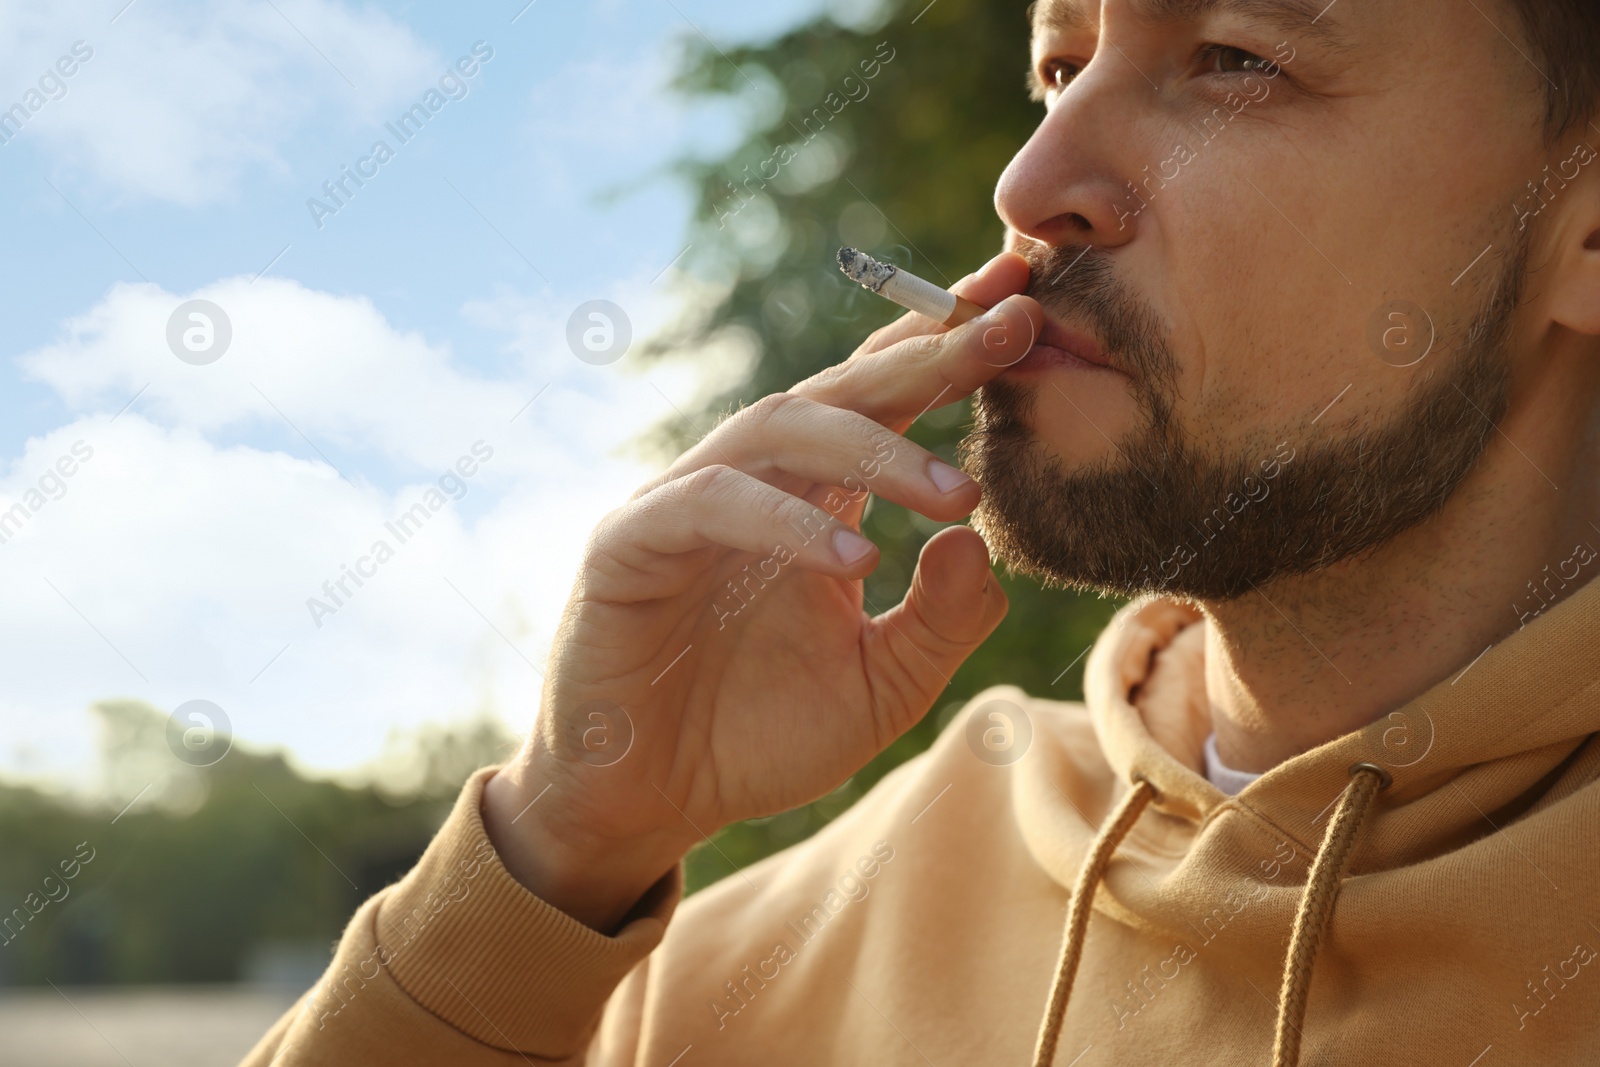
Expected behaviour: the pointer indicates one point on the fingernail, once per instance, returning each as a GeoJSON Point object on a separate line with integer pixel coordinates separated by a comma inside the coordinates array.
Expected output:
{"type": "Point", "coordinates": [850, 547]}
{"type": "Point", "coordinates": [945, 477]}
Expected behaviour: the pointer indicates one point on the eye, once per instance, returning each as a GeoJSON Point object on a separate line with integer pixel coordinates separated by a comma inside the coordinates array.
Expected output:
{"type": "Point", "coordinates": [1226, 59]}
{"type": "Point", "coordinates": [1058, 74]}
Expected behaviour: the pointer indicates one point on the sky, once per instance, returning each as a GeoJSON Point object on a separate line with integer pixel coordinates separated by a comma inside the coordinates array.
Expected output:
{"type": "Point", "coordinates": [295, 289]}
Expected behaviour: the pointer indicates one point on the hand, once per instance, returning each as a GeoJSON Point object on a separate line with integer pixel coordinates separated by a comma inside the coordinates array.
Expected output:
{"type": "Point", "coordinates": [714, 662]}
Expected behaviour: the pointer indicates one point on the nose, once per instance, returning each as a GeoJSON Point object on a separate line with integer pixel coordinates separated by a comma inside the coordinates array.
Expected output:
{"type": "Point", "coordinates": [1070, 184]}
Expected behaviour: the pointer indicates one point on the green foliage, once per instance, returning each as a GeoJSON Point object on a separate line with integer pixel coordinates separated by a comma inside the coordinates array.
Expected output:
{"type": "Point", "coordinates": [903, 165]}
{"type": "Point", "coordinates": [209, 865]}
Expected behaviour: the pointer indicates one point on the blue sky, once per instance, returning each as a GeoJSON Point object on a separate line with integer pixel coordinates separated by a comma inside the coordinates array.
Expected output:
{"type": "Point", "coordinates": [571, 104]}
{"type": "Point", "coordinates": [369, 355]}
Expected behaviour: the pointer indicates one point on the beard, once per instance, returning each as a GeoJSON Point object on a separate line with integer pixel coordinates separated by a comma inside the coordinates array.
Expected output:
{"type": "Point", "coordinates": [1169, 513]}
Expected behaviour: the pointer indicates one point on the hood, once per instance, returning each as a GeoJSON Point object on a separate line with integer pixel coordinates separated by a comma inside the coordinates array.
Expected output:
{"type": "Point", "coordinates": [1493, 742]}
{"type": "Point", "coordinates": [1447, 846]}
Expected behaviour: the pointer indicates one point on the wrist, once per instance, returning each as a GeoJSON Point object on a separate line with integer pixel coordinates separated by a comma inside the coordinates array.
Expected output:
{"type": "Point", "coordinates": [596, 880]}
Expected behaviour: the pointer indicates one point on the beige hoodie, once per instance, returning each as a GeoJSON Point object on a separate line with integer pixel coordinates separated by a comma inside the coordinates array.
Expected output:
{"type": "Point", "coordinates": [924, 925]}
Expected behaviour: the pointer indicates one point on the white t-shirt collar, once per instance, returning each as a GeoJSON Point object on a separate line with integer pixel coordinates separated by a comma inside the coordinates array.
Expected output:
{"type": "Point", "coordinates": [1223, 776]}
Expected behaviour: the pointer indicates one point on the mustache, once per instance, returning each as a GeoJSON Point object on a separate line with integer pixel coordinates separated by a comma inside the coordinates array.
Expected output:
{"type": "Point", "coordinates": [1079, 284]}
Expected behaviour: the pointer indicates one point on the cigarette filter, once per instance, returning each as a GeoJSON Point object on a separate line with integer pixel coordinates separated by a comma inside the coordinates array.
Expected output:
{"type": "Point", "coordinates": [906, 289]}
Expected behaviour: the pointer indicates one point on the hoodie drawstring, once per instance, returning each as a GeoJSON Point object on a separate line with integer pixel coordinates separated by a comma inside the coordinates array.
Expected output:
{"type": "Point", "coordinates": [1316, 906]}
{"type": "Point", "coordinates": [1094, 868]}
{"type": "Point", "coordinates": [1367, 780]}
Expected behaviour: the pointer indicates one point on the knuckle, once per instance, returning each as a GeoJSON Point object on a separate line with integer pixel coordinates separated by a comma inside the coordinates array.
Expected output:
{"type": "Point", "coordinates": [825, 378]}
{"type": "Point", "coordinates": [612, 529]}
{"type": "Point", "coordinates": [883, 445]}
{"type": "Point", "coordinates": [803, 522]}
{"type": "Point", "coordinates": [925, 346]}
{"type": "Point", "coordinates": [602, 533]}
{"type": "Point", "coordinates": [764, 411]}
{"type": "Point", "coordinates": [774, 509]}
{"type": "Point", "coordinates": [718, 479]}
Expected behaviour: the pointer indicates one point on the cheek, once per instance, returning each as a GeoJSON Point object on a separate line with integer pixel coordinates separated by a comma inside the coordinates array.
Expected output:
{"type": "Point", "coordinates": [1264, 330]}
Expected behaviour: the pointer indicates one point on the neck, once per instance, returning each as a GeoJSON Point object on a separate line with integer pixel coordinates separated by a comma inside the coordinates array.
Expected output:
{"type": "Point", "coordinates": [1309, 658]}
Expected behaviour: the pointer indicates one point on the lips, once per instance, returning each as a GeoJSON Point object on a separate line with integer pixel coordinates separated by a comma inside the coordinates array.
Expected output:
{"type": "Point", "coordinates": [1061, 345]}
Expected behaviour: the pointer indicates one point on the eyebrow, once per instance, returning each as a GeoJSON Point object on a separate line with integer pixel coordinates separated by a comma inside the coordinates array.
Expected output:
{"type": "Point", "coordinates": [1308, 18]}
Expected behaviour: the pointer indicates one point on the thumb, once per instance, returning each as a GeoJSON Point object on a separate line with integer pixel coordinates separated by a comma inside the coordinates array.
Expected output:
{"type": "Point", "coordinates": [954, 604]}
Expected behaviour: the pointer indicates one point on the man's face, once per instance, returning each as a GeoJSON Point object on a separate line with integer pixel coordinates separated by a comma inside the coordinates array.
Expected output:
{"type": "Point", "coordinates": [1290, 238]}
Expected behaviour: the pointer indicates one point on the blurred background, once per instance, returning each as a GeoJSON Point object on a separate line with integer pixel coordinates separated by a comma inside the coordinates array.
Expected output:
{"type": "Point", "coordinates": [331, 330]}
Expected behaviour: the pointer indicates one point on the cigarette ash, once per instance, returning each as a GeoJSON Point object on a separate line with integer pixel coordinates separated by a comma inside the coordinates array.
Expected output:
{"type": "Point", "coordinates": [860, 267]}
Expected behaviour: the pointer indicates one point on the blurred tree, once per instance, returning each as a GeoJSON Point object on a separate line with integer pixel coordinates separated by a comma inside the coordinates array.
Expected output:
{"type": "Point", "coordinates": [887, 136]}
{"type": "Point", "coordinates": [208, 866]}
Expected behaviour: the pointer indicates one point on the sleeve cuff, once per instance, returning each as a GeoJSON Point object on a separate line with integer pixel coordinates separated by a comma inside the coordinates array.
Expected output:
{"type": "Point", "coordinates": [470, 944]}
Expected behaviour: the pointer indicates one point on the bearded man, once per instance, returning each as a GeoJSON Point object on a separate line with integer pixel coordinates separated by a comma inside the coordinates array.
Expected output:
{"type": "Point", "coordinates": [1295, 342]}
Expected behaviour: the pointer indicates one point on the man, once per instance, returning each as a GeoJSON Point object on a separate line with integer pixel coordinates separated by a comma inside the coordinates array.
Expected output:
{"type": "Point", "coordinates": [1297, 340]}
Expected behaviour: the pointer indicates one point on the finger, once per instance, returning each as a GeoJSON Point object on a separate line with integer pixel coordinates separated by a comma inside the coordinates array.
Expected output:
{"type": "Point", "coordinates": [784, 438]}
{"type": "Point", "coordinates": [848, 506]}
{"type": "Point", "coordinates": [898, 384]}
{"type": "Point", "coordinates": [721, 506]}
{"type": "Point", "coordinates": [953, 605]}
{"type": "Point", "coordinates": [1003, 276]}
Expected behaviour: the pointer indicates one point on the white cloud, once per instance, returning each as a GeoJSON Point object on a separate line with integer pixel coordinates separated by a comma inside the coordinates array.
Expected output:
{"type": "Point", "coordinates": [169, 568]}
{"type": "Point", "coordinates": [332, 368]}
{"type": "Point", "coordinates": [330, 365]}
{"type": "Point", "coordinates": [177, 100]}
{"type": "Point", "coordinates": [193, 537]}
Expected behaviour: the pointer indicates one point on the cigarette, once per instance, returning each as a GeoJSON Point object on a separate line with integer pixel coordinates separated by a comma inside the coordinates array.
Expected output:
{"type": "Point", "coordinates": [906, 289]}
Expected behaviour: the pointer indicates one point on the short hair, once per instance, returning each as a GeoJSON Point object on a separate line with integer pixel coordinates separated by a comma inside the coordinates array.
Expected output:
{"type": "Point", "coordinates": [1565, 37]}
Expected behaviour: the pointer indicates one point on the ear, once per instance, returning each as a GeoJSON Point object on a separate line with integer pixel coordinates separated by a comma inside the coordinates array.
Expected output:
{"type": "Point", "coordinates": [1575, 252]}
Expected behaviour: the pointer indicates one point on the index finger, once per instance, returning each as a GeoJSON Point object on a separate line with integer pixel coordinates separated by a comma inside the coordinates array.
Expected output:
{"type": "Point", "coordinates": [898, 384]}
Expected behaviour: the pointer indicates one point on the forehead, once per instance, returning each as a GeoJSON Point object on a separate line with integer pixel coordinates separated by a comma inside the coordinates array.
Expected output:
{"type": "Point", "coordinates": [1313, 18]}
